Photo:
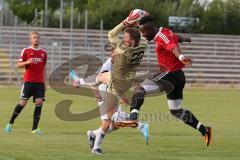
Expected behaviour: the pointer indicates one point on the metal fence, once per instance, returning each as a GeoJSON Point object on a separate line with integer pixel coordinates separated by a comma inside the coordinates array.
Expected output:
{"type": "Point", "coordinates": [216, 57]}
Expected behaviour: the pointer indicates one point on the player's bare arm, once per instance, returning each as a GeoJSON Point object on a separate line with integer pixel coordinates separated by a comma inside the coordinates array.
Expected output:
{"type": "Point", "coordinates": [187, 61]}
{"type": "Point", "coordinates": [23, 64]}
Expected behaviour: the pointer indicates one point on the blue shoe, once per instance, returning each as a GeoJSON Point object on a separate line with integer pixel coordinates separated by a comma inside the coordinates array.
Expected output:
{"type": "Point", "coordinates": [8, 128]}
{"type": "Point", "coordinates": [145, 132]}
{"type": "Point", "coordinates": [36, 131]}
{"type": "Point", "coordinates": [73, 75]}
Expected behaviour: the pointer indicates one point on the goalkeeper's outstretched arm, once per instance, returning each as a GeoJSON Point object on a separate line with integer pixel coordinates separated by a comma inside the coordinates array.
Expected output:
{"type": "Point", "coordinates": [113, 34]}
{"type": "Point", "coordinates": [131, 21]}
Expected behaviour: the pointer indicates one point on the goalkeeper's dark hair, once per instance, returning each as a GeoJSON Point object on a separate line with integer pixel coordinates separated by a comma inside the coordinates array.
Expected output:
{"type": "Point", "coordinates": [134, 34]}
{"type": "Point", "coordinates": [146, 19]}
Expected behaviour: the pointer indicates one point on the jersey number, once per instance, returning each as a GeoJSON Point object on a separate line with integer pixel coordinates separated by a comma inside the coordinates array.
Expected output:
{"type": "Point", "coordinates": [136, 57]}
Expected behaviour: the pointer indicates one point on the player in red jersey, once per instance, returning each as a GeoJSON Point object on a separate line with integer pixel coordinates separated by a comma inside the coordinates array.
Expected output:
{"type": "Point", "coordinates": [171, 79]}
{"type": "Point", "coordinates": [34, 60]}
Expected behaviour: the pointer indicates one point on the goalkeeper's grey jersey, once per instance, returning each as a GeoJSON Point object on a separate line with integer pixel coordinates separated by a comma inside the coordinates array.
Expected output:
{"type": "Point", "coordinates": [125, 60]}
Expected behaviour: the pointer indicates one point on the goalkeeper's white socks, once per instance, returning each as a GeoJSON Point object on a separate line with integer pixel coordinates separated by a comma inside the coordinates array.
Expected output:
{"type": "Point", "coordinates": [98, 139]}
{"type": "Point", "coordinates": [95, 131]}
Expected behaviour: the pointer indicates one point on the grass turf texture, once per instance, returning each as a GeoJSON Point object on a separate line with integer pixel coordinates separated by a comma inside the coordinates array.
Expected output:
{"type": "Point", "coordinates": [170, 139]}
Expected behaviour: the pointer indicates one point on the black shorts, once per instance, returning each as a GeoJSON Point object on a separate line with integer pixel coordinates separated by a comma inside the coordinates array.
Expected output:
{"type": "Point", "coordinates": [35, 89]}
{"type": "Point", "coordinates": [173, 81]}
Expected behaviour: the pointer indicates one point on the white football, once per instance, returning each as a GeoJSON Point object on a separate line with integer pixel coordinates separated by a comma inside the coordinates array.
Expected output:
{"type": "Point", "coordinates": [141, 13]}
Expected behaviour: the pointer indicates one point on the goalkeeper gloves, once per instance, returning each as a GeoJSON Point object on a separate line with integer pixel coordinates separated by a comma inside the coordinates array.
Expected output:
{"type": "Point", "coordinates": [133, 18]}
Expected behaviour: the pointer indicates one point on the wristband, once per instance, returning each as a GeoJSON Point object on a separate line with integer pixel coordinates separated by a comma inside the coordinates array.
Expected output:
{"type": "Point", "coordinates": [181, 57]}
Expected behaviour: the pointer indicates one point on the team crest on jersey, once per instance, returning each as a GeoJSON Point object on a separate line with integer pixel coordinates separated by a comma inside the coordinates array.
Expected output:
{"type": "Point", "coordinates": [32, 54]}
{"type": "Point", "coordinates": [42, 55]}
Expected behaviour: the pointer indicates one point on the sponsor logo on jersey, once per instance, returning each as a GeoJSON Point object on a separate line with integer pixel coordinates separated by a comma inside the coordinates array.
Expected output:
{"type": "Point", "coordinates": [37, 60]}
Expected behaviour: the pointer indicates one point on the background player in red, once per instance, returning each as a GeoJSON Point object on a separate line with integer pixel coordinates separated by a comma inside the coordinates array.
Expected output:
{"type": "Point", "coordinates": [34, 60]}
{"type": "Point", "coordinates": [171, 79]}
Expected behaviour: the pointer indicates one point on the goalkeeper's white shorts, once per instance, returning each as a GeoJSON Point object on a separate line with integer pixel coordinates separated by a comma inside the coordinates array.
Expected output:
{"type": "Point", "coordinates": [102, 105]}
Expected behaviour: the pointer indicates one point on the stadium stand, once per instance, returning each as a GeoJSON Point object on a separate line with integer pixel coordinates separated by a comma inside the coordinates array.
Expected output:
{"type": "Point", "coordinates": [216, 57]}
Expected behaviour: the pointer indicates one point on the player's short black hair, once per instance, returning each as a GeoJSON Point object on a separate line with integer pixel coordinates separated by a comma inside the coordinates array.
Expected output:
{"type": "Point", "coordinates": [145, 19]}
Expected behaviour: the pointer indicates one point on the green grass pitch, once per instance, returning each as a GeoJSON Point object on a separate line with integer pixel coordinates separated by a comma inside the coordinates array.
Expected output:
{"type": "Point", "coordinates": [170, 139]}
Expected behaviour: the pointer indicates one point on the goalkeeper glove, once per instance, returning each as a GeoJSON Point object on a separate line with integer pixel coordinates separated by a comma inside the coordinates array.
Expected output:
{"type": "Point", "coordinates": [133, 18]}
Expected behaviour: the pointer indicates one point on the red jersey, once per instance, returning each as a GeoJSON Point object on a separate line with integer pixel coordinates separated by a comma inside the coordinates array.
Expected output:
{"type": "Point", "coordinates": [165, 40]}
{"type": "Point", "coordinates": [35, 70]}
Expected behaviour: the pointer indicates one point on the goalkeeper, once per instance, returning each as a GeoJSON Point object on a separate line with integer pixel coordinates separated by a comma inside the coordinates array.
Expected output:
{"type": "Point", "coordinates": [118, 115]}
{"type": "Point", "coordinates": [126, 58]}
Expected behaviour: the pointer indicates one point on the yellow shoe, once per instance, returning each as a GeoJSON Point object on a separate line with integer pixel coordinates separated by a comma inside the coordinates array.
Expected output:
{"type": "Point", "coordinates": [36, 131]}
